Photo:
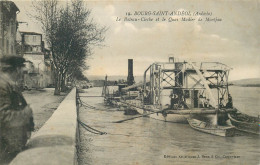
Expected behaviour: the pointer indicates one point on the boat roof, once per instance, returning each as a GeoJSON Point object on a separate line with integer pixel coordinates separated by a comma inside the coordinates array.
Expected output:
{"type": "Point", "coordinates": [140, 84]}
{"type": "Point", "coordinates": [202, 66]}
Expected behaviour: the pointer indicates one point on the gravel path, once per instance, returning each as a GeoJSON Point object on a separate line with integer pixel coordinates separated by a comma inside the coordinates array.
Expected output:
{"type": "Point", "coordinates": [43, 104]}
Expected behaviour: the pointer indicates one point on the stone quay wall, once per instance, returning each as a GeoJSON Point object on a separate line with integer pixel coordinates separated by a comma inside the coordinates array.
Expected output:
{"type": "Point", "coordinates": [55, 142]}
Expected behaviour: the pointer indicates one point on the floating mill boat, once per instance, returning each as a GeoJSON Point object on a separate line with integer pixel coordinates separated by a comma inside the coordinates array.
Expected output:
{"type": "Point", "coordinates": [175, 91]}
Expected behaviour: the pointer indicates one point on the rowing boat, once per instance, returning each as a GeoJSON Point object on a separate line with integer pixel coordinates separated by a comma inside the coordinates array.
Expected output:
{"type": "Point", "coordinates": [245, 123]}
{"type": "Point", "coordinates": [211, 129]}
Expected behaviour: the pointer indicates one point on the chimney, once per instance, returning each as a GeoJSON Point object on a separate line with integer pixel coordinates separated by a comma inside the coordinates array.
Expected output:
{"type": "Point", "coordinates": [171, 59]}
{"type": "Point", "coordinates": [130, 77]}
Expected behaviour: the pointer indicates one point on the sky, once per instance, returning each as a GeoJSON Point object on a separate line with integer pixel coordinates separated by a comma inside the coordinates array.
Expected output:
{"type": "Point", "coordinates": [234, 41]}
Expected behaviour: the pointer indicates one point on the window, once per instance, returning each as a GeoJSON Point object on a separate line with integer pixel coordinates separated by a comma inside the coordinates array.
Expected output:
{"type": "Point", "coordinates": [34, 38]}
{"type": "Point", "coordinates": [14, 28]}
{"type": "Point", "coordinates": [28, 49]}
{"type": "Point", "coordinates": [39, 49]}
{"type": "Point", "coordinates": [26, 38]}
{"type": "Point", "coordinates": [7, 46]}
{"type": "Point", "coordinates": [1, 43]}
{"type": "Point", "coordinates": [4, 46]}
{"type": "Point", "coordinates": [186, 94]}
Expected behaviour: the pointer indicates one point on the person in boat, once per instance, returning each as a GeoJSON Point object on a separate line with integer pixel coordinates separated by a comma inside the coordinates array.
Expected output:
{"type": "Point", "coordinates": [146, 94]}
{"type": "Point", "coordinates": [174, 101]}
{"type": "Point", "coordinates": [16, 119]}
{"type": "Point", "coordinates": [202, 101]}
{"type": "Point", "coordinates": [207, 105]}
{"type": "Point", "coordinates": [221, 103]}
{"type": "Point", "coordinates": [230, 102]}
{"type": "Point", "coordinates": [180, 102]}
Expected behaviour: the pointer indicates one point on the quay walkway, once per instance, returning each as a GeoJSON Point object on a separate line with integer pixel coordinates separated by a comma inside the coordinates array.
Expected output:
{"type": "Point", "coordinates": [55, 142]}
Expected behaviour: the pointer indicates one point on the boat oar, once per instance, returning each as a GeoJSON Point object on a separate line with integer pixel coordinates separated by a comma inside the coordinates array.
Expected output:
{"type": "Point", "coordinates": [120, 121]}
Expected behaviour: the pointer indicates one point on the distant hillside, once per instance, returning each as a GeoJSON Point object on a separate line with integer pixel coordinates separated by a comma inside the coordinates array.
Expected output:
{"type": "Point", "coordinates": [252, 82]}
{"type": "Point", "coordinates": [113, 78]}
{"type": "Point", "coordinates": [98, 81]}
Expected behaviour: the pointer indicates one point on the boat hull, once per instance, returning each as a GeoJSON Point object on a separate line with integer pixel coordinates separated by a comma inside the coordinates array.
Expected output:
{"type": "Point", "coordinates": [225, 131]}
{"type": "Point", "coordinates": [174, 118]}
{"type": "Point", "coordinates": [245, 126]}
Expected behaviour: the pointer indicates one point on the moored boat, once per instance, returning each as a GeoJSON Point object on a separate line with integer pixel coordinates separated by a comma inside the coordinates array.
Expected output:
{"type": "Point", "coordinates": [164, 115]}
{"type": "Point", "coordinates": [172, 91]}
{"type": "Point", "coordinates": [211, 129]}
{"type": "Point", "coordinates": [245, 123]}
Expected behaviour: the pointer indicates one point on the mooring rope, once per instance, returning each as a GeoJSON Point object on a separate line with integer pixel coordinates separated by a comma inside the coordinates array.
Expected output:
{"type": "Point", "coordinates": [84, 125]}
{"type": "Point", "coordinates": [88, 106]}
{"type": "Point", "coordinates": [82, 103]}
{"type": "Point", "coordinates": [90, 129]}
{"type": "Point", "coordinates": [93, 130]}
{"type": "Point", "coordinates": [79, 101]}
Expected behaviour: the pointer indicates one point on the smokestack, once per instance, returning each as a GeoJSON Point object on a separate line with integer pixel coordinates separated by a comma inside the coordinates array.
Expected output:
{"type": "Point", "coordinates": [171, 59]}
{"type": "Point", "coordinates": [130, 77]}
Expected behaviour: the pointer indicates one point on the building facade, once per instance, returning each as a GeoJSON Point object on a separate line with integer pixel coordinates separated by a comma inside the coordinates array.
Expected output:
{"type": "Point", "coordinates": [8, 29]}
{"type": "Point", "coordinates": [8, 23]}
{"type": "Point", "coordinates": [37, 72]}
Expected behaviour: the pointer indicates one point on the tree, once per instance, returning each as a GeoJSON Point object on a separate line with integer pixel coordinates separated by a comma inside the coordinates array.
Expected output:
{"type": "Point", "coordinates": [70, 34]}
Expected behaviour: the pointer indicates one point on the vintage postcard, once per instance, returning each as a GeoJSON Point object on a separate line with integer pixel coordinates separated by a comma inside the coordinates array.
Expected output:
{"type": "Point", "coordinates": [148, 82]}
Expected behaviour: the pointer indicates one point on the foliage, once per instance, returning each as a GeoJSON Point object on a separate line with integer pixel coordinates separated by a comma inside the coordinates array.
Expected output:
{"type": "Point", "coordinates": [70, 34]}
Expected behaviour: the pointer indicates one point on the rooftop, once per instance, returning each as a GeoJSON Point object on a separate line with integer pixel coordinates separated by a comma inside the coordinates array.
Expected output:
{"type": "Point", "coordinates": [30, 33]}
{"type": "Point", "coordinates": [9, 5]}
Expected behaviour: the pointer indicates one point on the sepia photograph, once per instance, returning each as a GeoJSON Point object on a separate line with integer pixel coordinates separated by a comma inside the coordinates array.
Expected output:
{"type": "Point", "coordinates": [129, 82]}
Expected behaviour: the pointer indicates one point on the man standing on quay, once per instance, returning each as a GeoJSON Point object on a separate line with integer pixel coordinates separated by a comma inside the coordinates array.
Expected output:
{"type": "Point", "coordinates": [16, 120]}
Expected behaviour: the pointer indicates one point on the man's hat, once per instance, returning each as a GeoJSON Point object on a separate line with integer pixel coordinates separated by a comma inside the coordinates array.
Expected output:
{"type": "Point", "coordinates": [11, 62]}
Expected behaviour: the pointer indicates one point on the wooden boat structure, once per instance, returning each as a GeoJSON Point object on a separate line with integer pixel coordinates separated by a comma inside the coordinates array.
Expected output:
{"type": "Point", "coordinates": [212, 129]}
{"type": "Point", "coordinates": [180, 92]}
{"type": "Point", "coordinates": [245, 123]}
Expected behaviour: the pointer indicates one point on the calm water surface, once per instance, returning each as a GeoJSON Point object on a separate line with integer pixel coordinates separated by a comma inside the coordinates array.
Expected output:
{"type": "Point", "coordinates": [148, 141]}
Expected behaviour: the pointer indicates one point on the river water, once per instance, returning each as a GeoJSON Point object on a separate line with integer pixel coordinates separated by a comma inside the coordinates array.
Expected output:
{"type": "Point", "coordinates": [151, 142]}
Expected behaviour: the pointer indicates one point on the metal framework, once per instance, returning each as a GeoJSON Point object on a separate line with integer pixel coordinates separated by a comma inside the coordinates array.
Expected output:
{"type": "Point", "coordinates": [188, 81]}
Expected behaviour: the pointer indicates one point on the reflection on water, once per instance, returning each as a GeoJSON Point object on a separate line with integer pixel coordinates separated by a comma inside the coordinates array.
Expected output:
{"type": "Point", "coordinates": [246, 99]}
{"type": "Point", "coordinates": [149, 141]}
